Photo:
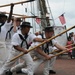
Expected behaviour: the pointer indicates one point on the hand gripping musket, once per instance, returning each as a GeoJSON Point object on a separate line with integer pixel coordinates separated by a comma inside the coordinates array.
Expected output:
{"type": "Point", "coordinates": [59, 50]}
{"type": "Point", "coordinates": [17, 3]}
{"type": "Point", "coordinates": [42, 43]}
{"type": "Point", "coordinates": [54, 51]}
{"type": "Point", "coordinates": [62, 52]}
{"type": "Point", "coordinates": [59, 53]}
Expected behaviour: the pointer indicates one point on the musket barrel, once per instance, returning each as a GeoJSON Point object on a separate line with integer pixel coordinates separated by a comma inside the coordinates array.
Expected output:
{"type": "Point", "coordinates": [22, 16]}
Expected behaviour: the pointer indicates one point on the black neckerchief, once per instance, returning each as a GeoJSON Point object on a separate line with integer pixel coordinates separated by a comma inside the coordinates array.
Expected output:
{"type": "Point", "coordinates": [1, 26]}
{"type": "Point", "coordinates": [8, 33]}
{"type": "Point", "coordinates": [24, 40]}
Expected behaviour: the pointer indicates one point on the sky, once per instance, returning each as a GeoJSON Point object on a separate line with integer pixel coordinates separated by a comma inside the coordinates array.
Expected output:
{"type": "Point", "coordinates": [58, 7]}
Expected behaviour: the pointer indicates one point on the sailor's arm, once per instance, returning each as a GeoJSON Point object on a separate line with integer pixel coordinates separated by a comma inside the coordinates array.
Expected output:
{"type": "Point", "coordinates": [38, 40]}
{"type": "Point", "coordinates": [60, 47]}
{"type": "Point", "coordinates": [20, 49]}
{"type": "Point", "coordinates": [40, 51]}
{"type": "Point", "coordinates": [11, 11]}
{"type": "Point", "coordinates": [15, 42]}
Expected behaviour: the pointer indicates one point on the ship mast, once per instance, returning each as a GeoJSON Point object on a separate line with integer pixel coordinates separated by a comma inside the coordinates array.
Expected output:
{"type": "Point", "coordinates": [44, 11]}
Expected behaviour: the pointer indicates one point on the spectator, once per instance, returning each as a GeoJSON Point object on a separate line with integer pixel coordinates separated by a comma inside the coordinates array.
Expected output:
{"type": "Point", "coordinates": [69, 42]}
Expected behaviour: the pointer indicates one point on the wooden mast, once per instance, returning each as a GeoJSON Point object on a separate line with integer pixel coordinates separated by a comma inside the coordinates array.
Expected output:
{"type": "Point", "coordinates": [43, 13]}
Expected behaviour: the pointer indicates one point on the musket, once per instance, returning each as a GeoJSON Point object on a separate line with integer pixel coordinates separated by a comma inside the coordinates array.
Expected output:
{"type": "Point", "coordinates": [27, 17]}
{"type": "Point", "coordinates": [22, 16]}
{"type": "Point", "coordinates": [12, 14]}
{"type": "Point", "coordinates": [17, 3]}
{"type": "Point", "coordinates": [42, 43]}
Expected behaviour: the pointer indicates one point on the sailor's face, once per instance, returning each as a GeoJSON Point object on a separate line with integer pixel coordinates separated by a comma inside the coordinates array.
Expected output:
{"type": "Point", "coordinates": [27, 29]}
{"type": "Point", "coordinates": [18, 23]}
{"type": "Point", "coordinates": [49, 34]}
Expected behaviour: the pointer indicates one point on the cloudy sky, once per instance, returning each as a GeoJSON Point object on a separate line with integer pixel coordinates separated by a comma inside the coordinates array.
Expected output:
{"type": "Point", "coordinates": [63, 6]}
{"type": "Point", "coordinates": [58, 7]}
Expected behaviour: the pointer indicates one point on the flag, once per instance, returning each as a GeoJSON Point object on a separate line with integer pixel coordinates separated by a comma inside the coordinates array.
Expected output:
{"type": "Point", "coordinates": [62, 19]}
{"type": "Point", "coordinates": [38, 20]}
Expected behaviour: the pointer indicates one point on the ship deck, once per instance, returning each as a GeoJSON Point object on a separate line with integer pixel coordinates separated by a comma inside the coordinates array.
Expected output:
{"type": "Point", "coordinates": [63, 66]}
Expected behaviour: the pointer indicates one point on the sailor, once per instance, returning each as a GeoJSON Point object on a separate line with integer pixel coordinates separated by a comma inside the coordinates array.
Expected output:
{"type": "Point", "coordinates": [43, 53]}
{"type": "Point", "coordinates": [8, 28]}
{"type": "Point", "coordinates": [20, 41]}
{"type": "Point", "coordinates": [51, 71]}
{"type": "Point", "coordinates": [2, 24]}
{"type": "Point", "coordinates": [3, 19]}
{"type": "Point", "coordinates": [51, 45]}
{"type": "Point", "coordinates": [12, 28]}
{"type": "Point", "coordinates": [2, 38]}
{"type": "Point", "coordinates": [3, 31]}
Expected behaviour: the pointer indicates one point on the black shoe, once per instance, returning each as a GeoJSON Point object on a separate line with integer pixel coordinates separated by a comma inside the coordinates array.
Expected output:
{"type": "Point", "coordinates": [19, 72]}
{"type": "Point", "coordinates": [9, 72]}
{"type": "Point", "coordinates": [52, 72]}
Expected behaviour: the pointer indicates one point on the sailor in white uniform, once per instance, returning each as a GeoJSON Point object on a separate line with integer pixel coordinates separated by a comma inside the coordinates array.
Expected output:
{"type": "Point", "coordinates": [3, 31]}
{"type": "Point", "coordinates": [2, 39]}
{"type": "Point", "coordinates": [3, 49]}
{"type": "Point", "coordinates": [43, 54]}
{"type": "Point", "coordinates": [11, 29]}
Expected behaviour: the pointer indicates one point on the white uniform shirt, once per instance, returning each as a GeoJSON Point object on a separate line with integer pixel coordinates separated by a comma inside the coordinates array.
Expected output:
{"type": "Point", "coordinates": [4, 52]}
{"type": "Point", "coordinates": [16, 40]}
{"type": "Point", "coordinates": [37, 43]}
{"type": "Point", "coordinates": [4, 30]}
{"type": "Point", "coordinates": [8, 27]}
{"type": "Point", "coordinates": [51, 47]}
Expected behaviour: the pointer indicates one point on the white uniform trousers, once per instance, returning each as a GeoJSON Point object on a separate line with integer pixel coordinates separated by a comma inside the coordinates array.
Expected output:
{"type": "Point", "coordinates": [48, 64]}
{"type": "Point", "coordinates": [51, 49]}
{"type": "Point", "coordinates": [27, 58]}
{"type": "Point", "coordinates": [3, 53]}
